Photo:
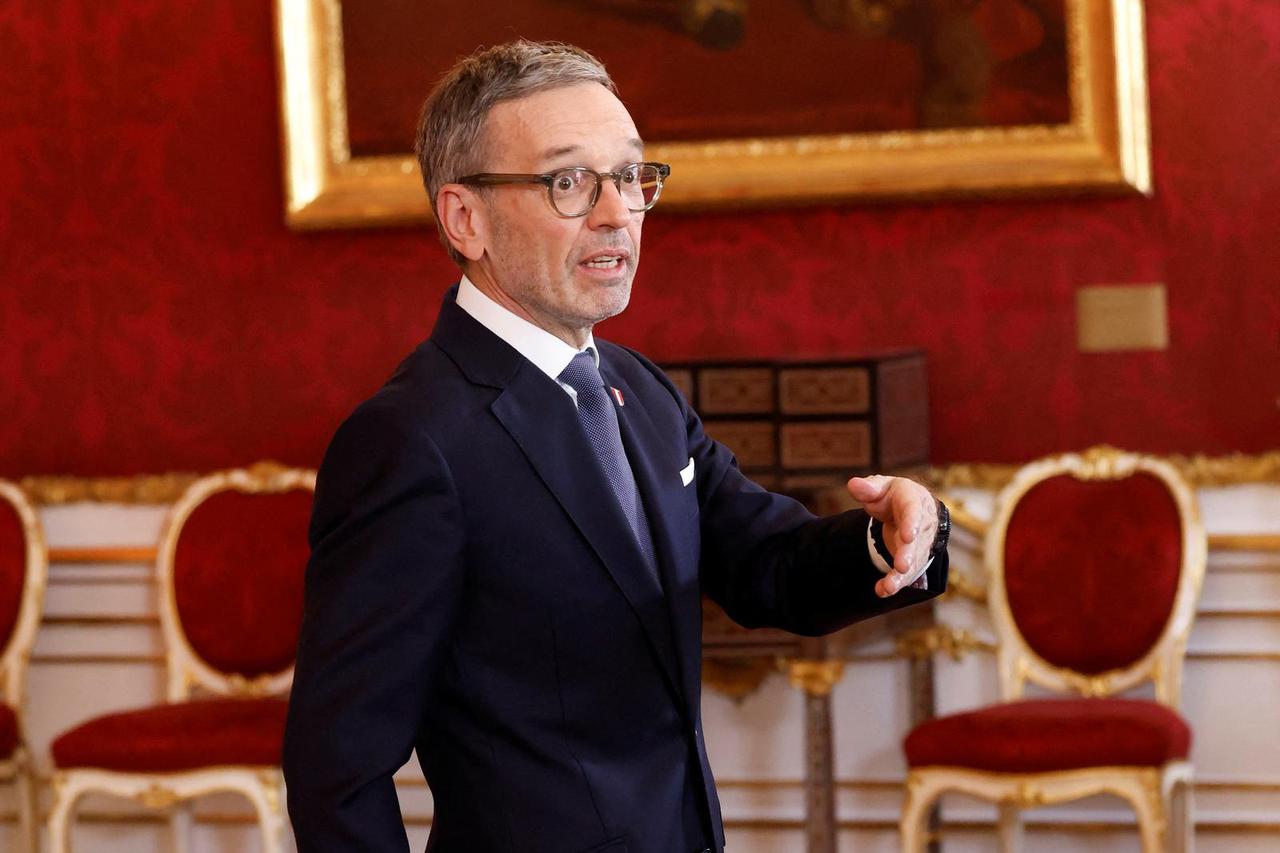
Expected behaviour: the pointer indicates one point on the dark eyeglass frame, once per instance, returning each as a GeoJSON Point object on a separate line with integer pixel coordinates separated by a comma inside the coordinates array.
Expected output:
{"type": "Point", "coordinates": [547, 179]}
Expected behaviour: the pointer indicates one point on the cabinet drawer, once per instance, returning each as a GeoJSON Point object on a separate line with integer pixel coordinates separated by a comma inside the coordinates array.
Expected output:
{"type": "Point", "coordinates": [824, 391]}
{"type": "Point", "coordinates": [752, 442]}
{"type": "Point", "coordinates": [837, 444]}
{"type": "Point", "coordinates": [735, 391]}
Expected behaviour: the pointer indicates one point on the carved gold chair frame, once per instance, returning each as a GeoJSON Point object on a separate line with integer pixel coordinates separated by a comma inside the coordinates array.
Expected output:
{"type": "Point", "coordinates": [1160, 797]}
{"type": "Point", "coordinates": [16, 657]}
{"type": "Point", "coordinates": [189, 675]}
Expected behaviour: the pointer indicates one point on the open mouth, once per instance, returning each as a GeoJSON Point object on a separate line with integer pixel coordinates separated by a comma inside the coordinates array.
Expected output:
{"type": "Point", "coordinates": [604, 262]}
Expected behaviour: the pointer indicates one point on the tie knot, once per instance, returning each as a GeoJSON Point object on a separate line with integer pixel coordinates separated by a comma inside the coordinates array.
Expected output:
{"type": "Point", "coordinates": [582, 375]}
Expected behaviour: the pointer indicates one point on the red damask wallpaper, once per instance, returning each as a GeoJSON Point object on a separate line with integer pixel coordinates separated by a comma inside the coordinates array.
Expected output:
{"type": "Point", "coordinates": [156, 314]}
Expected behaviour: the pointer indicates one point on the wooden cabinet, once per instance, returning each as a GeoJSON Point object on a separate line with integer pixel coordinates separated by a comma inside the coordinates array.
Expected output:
{"type": "Point", "coordinates": [797, 426]}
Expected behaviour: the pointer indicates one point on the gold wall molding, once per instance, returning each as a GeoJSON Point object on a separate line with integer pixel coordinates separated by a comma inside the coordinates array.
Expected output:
{"type": "Point", "coordinates": [1201, 471]}
{"type": "Point", "coordinates": [54, 490]}
{"type": "Point", "coordinates": [129, 554]}
{"type": "Point", "coordinates": [1244, 541]}
{"type": "Point", "coordinates": [150, 659]}
{"type": "Point", "coordinates": [152, 489]}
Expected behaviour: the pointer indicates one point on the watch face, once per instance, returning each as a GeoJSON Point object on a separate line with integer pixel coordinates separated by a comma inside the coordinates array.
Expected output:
{"type": "Point", "coordinates": [943, 534]}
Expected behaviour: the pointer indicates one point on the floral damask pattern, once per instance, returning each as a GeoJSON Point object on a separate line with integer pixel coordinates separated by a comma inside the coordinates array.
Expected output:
{"type": "Point", "coordinates": [157, 315]}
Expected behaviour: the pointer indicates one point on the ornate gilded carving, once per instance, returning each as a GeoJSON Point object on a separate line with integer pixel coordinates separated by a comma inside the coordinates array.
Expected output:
{"type": "Point", "coordinates": [737, 678]}
{"type": "Point", "coordinates": [961, 584]}
{"type": "Point", "coordinates": [1103, 462]}
{"type": "Point", "coordinates": [262, 685]}
{"type": "Point", "coordinates": [955, 642]}
{"type": "Point", "coordinates": [961, 517]}
{"type": "Point", "coordinates": [157, 797]}
{"type": "Point", "coordinates": [141, 489]}
{"type": "Point", "coordinates": [1027, 795]}
{"type": "Point", "coordinates": [815, 677]}
{"type": "Point", "coordinates": [1093, 686]}
{"type": "Point", "coordinates": [270, 790]}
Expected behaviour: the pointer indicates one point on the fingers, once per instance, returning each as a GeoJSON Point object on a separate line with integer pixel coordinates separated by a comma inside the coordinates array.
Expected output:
{"type": "Point", "coordinates": [909, 564]}
{"type": "Point", "coordinates": [867, 490]}
{"type": "Point", "coordinates": [909, 534]}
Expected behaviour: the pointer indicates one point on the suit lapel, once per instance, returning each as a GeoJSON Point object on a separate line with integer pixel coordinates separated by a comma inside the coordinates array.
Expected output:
{"type": "Point", "coordinates": [648, 448]}
{"type": "Point", "coordinates": [548, 431]}
{"type": "Point", "coordinates": [542, 421]}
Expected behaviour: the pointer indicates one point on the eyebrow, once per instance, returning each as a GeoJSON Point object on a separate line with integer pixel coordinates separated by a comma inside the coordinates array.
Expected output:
{"type": "Point", "coordinates": [560, 151]}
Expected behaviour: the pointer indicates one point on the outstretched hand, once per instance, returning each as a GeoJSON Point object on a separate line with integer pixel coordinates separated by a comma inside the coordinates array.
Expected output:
{"type": "Point", "coordinates": [910, 517]}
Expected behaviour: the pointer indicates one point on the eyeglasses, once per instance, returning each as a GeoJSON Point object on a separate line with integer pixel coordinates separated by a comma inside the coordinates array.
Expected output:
{"type": "Point", "coordinates": [575, 191]}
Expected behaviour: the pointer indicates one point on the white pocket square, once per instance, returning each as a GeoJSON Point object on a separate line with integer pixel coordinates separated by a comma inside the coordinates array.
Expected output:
{"type": "Point", "coordinates": [686, 474]}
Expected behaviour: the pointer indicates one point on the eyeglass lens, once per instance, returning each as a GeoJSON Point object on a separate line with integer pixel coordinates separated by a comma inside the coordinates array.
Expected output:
{"type": "Point", "coordinates": [573, 191]}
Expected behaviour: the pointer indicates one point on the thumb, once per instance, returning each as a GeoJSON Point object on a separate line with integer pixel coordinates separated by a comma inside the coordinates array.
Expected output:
{"type": "Point", "coordinates": [868, 489]}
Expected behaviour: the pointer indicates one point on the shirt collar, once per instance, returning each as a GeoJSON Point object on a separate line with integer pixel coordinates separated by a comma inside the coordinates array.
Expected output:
{"type": "Point", "coordinates": [548, 353]}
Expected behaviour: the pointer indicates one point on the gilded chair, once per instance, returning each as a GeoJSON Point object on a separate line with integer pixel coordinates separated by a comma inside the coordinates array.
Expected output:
{"type": "Point", "coordinates": [1094, 566]}
{"type": "Point", "coordinates": [23, 570]}
{"type": "Point", "coordinates": [229, 572]}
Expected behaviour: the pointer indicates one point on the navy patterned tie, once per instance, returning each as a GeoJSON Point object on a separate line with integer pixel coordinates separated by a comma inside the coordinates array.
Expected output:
{"type": "Point", "coordinates": [600, 423]}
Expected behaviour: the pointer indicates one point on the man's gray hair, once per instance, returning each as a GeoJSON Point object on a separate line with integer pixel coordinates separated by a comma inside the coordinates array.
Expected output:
{"type": "Point", "coordinates": [451, 141]}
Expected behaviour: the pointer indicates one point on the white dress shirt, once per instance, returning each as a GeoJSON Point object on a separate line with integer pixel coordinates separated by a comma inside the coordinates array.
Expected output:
{"type": "Point", "coordinates": [548, 353]}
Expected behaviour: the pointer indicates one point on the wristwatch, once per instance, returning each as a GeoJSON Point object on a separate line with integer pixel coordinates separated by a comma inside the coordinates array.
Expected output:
{"type": "Point", "coordinates": [943, 534]}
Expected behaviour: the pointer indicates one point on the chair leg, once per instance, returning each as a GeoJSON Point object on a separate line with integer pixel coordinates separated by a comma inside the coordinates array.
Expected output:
{"type": "Point", "coordinates": [1181, 826]}
{"type": "Point", "coordinates": [1010, 828]}
{"type": "Point", "coordinates": [1152, 821]}
{"type": "Point", "coordinates": [28, 822]}
{"type": "Point", "coordinates": [180, 827]}
{"type": "Point", "coordinates": [915, 811]}
{"type": "Point", "coordinates": [60, 814]}
{"type": "Point", "coordinates": [268, 802]}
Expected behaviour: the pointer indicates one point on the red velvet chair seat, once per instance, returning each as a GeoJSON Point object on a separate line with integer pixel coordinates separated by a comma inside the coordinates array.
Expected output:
{"type": "Point", "coordinates": [181, 736]}
{"type": "Point", "coordinates": [1039, 735]}
{"type": "Point", "coordinates": [8, 732]}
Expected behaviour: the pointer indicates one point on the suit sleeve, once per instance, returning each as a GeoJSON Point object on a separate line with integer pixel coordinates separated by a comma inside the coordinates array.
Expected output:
{"type": "Point", "coordinates": [382, 588]}
{"type": "Point", "coordinates": [769, 562]}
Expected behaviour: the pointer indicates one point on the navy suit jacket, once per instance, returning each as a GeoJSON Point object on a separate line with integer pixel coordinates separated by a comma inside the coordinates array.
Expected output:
{"type": "Point", "coordinates": [474, 591]}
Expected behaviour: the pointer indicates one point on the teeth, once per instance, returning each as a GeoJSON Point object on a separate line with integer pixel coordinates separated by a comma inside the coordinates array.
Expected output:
{"type": "Point", "coordinates": [604, 262]}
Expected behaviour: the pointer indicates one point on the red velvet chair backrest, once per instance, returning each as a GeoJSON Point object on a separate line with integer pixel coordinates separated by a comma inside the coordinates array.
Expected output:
{"type": "Point", "coordinates": [1091, 569]}
{"type": "Point", "coordinates": [237, 579]}
{"type": "Point", "coordinates": [13, 571]}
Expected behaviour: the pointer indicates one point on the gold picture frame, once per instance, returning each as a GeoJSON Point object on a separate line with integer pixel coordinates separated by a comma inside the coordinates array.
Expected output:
{"type": "Point", "coordinates": [1104, 148]}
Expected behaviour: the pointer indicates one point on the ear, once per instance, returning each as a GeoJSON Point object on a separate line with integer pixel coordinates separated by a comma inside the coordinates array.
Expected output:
{"type": "Point", "coordinates": [464, 219]}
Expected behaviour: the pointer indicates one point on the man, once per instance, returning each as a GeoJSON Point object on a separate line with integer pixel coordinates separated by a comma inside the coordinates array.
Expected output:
{"type": "Point", "coordinates": [510, 539]}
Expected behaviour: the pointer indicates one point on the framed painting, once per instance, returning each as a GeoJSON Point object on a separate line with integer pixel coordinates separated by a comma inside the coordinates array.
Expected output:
{"type": "Point", "coordinates": [752, 102]}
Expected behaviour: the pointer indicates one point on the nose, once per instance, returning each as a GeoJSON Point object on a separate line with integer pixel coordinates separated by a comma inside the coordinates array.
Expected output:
{"type": "Point", "coordinates": [610, 210]}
